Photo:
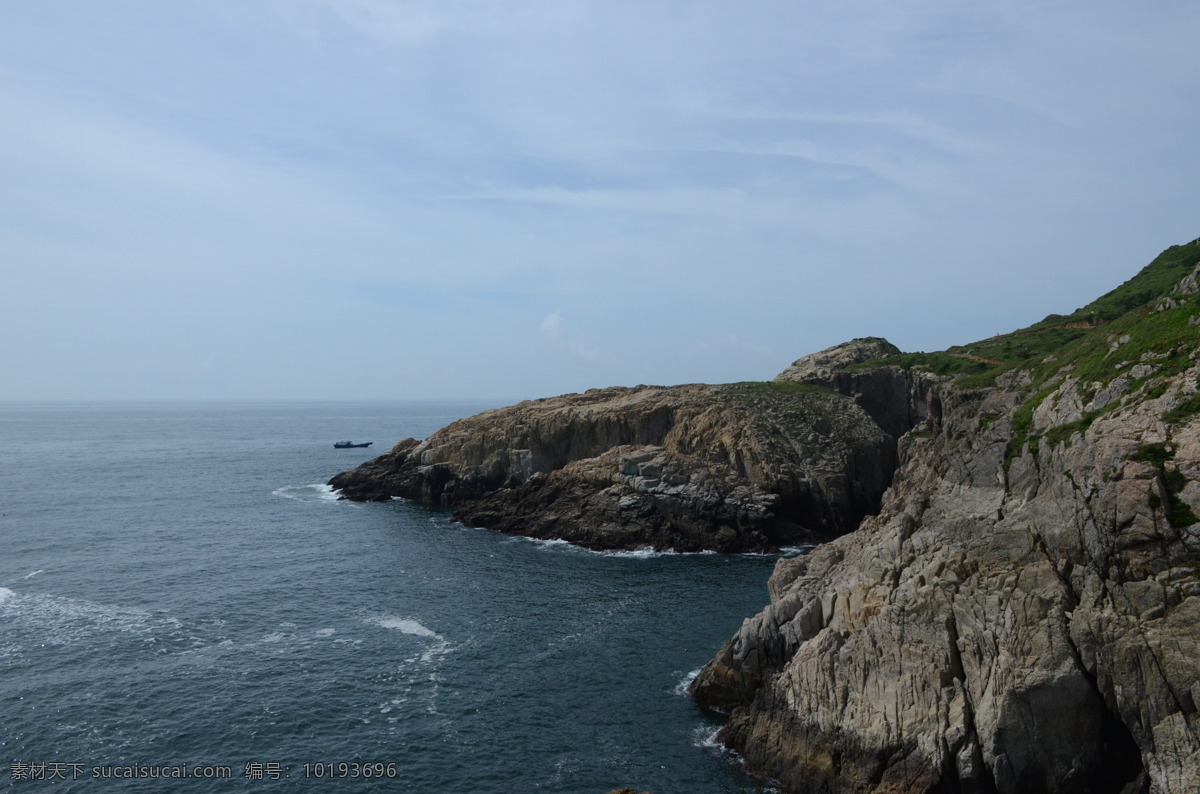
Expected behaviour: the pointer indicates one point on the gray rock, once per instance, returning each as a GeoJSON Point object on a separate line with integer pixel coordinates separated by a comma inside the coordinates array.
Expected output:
{"type": "Point", "coordinates": [819, 366]}
{"type": "Point", "coordinates": [895, 398]}
{"type": "Point", "coordinates": [774, 463]}
{"type": "Point", "coordinates": [1028, 629]}
{"type": "Point", "coordinates": [1189, 284]}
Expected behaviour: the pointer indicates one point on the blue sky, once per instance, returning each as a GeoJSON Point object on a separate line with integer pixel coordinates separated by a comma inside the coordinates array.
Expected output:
{"type": "Point", "coordinates": [375, 199]}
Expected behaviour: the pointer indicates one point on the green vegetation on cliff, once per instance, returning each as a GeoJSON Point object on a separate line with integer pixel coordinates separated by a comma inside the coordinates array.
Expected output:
{"type": "Point", "coordinates": [1138, 321]}
{"type": "Point", "coordinates": [1179, 513]}
{"type": "Point", "coordinates": [1145, 332]}
{"type": "Point", "coordinates": [1131, 341]}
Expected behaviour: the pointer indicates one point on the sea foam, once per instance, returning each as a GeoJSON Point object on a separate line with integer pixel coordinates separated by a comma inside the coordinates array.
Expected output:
{"type": "Point", "coordinates": [705, 736]}
{"type": "Point", "coordinates": [405, 626]}
{"type": "Point", "coordinates": [318, 492]}
{"type": "Point", "coordinates": [440, 647]}
{"type": "Point", "coordinates": [558, 544]}
{"type": "Point", "coordinates": [644, 553]}
{"type": "Point", "coordinates": [685, 682]}
{"type": "Point", "coordinates": [57, 620]}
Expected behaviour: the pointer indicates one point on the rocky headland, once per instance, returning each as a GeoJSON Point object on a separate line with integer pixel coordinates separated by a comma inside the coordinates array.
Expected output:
{"type": "Point", "coordinates": [1008, 598]}
{"type": "Point", "coordinates": [1023, 614]}
{"type": "Point", "coordinates": [737, 467]}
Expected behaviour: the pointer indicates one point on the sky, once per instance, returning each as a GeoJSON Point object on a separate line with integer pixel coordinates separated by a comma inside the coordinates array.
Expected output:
{"type": "Point", "coordinates": [401, 199]}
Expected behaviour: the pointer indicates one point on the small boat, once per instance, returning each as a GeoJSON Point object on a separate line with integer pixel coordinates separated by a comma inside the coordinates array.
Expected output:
{"type": "Point", "coordinates": [351, 445]}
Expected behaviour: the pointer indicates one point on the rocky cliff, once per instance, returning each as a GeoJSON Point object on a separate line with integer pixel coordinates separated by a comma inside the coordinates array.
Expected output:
{"type": "Point", "coordinates": [1023, 614]}
{"type": "Point", "coordinates": [1018, 609]}
{"type": "Point", "coordinates": [736, 467]}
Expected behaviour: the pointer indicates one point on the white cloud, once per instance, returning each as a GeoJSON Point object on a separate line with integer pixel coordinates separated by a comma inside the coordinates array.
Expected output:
{"type": "Point", "coordinates": [552, 324]}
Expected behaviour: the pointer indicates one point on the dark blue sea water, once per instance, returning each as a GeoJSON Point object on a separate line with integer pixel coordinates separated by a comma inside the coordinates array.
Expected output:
{"type": "Point", "coordinates": [178, 589]}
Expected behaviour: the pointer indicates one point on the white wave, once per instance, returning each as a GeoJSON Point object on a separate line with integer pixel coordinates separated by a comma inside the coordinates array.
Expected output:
{"type": "Point", "coordinates": [35, 573]}
{"type": "Point", "coordinates": [56, 620]}
{"type": "Point", "coordinates": [553, 544]}
{"type": "Point", "coordinates": [440, 647]}
{"type": "Point", "coordinates": [685, 682]}
{"type": "Point", "coordinates": [385, 708]}
{"type": "Point", "coordinates": [649, 552]}
{"type": "Point", "coordinates": [405, 626]}
{"type": "Point", "coordinates": [288, 635]}
{"type": "Point", "coordinates": [290, 632]}
{"type": "Point", "coordinates": [424, 674]}
{"type": "Point", "coordinates": [644, 553]}
{"type": "Point", "coordinates": [705, 737]}
{"type": "Point", "coordinates": [318, 492]}
{"type": "Point", "coordinates": [436, 652]}
{"type": "Point", "coordinates": [558, 544]}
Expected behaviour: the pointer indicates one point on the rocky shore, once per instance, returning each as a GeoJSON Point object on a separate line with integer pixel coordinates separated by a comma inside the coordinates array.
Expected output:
{"type": "Point", "coordinates": [1008, 595]}
{"type": "Point", "coordinates": [737, 467]}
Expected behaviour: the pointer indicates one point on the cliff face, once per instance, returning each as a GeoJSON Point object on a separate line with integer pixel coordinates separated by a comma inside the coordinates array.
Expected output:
{"type": "Point", "coordinates": [1018, 612]}
{"type": "Point", "coordinates": [733, 468]}
{"type": "Point", "coordinates": [1023, 614]}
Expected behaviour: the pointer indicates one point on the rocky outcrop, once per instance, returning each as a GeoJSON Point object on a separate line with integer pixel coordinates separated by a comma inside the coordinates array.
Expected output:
{"type": "Point", "coordinates": [1023, 615]}
{"type": "Point", "coordinates": [635, 496]}
{"type": "Point", "coordinates": [732, 468]}
{"type": "Point", "coordinates": [896, 398]}
{"type": "Point", "coordinates": [818, 367]}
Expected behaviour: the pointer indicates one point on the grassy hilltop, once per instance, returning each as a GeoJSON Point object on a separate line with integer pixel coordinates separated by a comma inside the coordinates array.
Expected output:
{"type": "Point", "coordinates": [1134, 323]}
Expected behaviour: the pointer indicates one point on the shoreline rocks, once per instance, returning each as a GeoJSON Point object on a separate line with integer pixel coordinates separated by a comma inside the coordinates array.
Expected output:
{"type": "Point", "coordinates": [736, 467]}
{"type": "Point", "coordinates": [631, 497]}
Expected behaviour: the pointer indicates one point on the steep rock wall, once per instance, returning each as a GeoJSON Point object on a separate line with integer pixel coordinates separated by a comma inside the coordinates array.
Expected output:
{"type": "Point", "coordinates": [896, 399]}
{"type": "Point", "coordinates": [1019, 617]}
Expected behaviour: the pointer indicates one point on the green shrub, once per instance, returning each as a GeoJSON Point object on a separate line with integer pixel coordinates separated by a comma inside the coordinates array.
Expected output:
{"type": "Point", "coordinates": [1181, 515]}
{"type": "Point", "coordinates": [1184, 411]}
{"type": "Point", "coordinates": [1154, 454]}
{"type": "Point", "coordinates": [1174, 480]}
{"type": "Point", "coordinates": [1061, 433]}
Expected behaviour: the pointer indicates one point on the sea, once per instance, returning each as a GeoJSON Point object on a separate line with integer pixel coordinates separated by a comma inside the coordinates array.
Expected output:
{"type": "Point", "coordinates": [185, 606]}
